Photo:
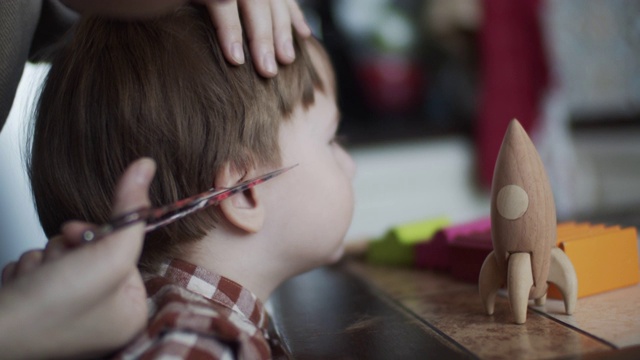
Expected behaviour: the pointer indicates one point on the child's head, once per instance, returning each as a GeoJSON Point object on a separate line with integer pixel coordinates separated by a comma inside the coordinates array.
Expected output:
{"type": "Point", "coordinates": [161, 88]}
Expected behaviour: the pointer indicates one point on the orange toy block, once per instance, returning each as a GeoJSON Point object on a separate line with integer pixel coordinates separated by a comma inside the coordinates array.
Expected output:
{"type": "Point", "coordinates": [605, 258]}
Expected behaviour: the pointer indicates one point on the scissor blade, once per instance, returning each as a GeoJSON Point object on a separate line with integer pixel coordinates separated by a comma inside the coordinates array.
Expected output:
{"type": "Point", "coordinates": [162, 216]}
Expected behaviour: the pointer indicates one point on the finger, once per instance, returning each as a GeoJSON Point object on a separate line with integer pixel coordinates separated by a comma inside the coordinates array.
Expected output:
{"type": "Point", "coordinates": [297, 19]}
{"type": "Point", "coordinates": [281, 19]}
{"type": "Point", "coordinates": [55, 247]}
{"type": "Point", "coordinates": [226, 21]}
{"type": "Point", "coordinates": [28, 261]}
{"type": "Point", "coordinates": [70, 237]}
{"type": "Point", "coordinates": [73, 233]}
{"type": "Point", "coordinates": [67, 238]}
{"type": "Point", "coordinates": [256, 16]}
{"type": "Point", "coordinates": [8, 273]}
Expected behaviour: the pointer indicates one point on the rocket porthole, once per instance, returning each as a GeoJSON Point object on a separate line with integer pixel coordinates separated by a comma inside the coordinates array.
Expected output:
{"type": "Point", "coordinates": [512, 202]}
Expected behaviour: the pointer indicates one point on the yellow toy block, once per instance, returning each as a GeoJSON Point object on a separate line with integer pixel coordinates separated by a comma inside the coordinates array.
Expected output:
{"type": "Point", "coordinates": [605, 258]}
{"type": "Point", "coordinates": [397, 247]}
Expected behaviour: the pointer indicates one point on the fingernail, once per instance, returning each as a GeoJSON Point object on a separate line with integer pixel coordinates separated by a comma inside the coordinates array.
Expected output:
{"type": "Point", "coordinates": [143, 171]}
{"type": "Point", "coordinates": [237, 52]}
{"type": "Point", "coordinates": [288, 49]}
{"type": "Point", "coordinates": [269, 63]}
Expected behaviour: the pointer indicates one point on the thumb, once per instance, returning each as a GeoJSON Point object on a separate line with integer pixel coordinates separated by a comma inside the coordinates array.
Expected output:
{"type": "Point", "coordinates": [132, 193]}
{"type": "Point", "coordinates": [132, 190]}
{"type": "Point", "coordinates": [109, 261]}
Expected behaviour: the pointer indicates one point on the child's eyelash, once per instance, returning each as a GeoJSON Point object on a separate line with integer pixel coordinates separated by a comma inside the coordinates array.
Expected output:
{"type": "Point", "coordinates": [339, 139]}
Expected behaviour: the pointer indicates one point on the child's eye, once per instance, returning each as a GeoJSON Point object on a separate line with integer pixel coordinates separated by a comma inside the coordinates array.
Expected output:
{"type": "Point", "coordinates": [339, 140]}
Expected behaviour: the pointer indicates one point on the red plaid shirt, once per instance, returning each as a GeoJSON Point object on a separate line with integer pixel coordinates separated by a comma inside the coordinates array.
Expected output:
{"type": "Point", "coordinates": [195, 314]}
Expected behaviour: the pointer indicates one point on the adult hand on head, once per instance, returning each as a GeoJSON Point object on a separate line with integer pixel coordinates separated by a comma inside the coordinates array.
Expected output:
{"type": "Point", "coordinates": [268, 25]}
{"type": "Point", "coordinates": [76, 298]}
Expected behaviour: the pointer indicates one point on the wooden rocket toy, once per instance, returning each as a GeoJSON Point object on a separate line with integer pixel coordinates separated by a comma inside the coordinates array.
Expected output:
{"type": "Point", "coordinates": [523, 231]}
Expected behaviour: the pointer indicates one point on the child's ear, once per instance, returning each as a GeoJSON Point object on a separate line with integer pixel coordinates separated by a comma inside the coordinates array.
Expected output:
{"type": "Point", "coordinates": [244, 210]}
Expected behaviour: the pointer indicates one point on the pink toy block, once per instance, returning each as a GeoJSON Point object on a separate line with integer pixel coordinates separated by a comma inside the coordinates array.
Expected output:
{"type": "Point", "coordinates": [436, 253]}
{"type": "Point", "coordinates": [468, 252]}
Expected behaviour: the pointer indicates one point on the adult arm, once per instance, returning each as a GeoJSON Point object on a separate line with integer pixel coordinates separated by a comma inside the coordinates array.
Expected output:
{"type": "Point", "coordinates": [75, 298]}
{"type": "Point", "coordinates": [268, 24]}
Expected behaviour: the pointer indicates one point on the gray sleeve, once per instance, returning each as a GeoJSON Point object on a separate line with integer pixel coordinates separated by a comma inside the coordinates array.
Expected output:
{"type": "Point", "coordinates": [55, 20]}
{"type": "Point", "coordinates": [27, 29]}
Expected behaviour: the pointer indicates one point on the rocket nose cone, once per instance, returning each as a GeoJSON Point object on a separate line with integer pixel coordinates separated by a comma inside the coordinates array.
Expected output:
{"type": "Point", "coordinates": [517, 160]}
{"type": "Point", "coordinates": [517, 140]}
{"type": "Point", "coordinates": [515, 125]}
{"type": "Point", "coordinates": [515, 132]}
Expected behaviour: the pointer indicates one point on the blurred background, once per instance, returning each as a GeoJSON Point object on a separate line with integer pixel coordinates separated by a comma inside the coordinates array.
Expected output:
{"type": "Point", "coordinates": [427, 88]}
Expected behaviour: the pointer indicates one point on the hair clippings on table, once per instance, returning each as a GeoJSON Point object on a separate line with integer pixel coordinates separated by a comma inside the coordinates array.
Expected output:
{"type": "Point", "coordinates": [162, 216]}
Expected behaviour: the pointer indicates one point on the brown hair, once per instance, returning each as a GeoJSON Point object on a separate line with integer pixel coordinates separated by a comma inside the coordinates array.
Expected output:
{"type": "Point", "coordinates": [160, 88]}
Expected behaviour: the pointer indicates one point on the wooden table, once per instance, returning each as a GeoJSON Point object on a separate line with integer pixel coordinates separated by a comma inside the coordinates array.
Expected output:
{"type": "Point", "coordinates": [357, 311]}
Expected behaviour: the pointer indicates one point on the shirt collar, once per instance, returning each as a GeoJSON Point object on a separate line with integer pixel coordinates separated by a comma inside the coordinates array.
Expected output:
{"type": "Point", "coordinates": [217, 288]}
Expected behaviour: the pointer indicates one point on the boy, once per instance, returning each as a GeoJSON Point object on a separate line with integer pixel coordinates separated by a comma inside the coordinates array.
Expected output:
{"type": "Point", "coordinates": [121, 90]}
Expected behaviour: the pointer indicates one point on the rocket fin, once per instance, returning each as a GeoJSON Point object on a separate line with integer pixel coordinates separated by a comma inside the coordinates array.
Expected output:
{"type": "Point", "coordinates": [519, 283]}
{"type": "Point", "coordinates": [562, 273]}
{"type": "Point", "coordinates": [490, 281]}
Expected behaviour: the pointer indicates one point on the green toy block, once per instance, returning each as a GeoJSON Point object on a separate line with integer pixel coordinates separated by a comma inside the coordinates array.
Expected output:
{"type": "Point", "coordinates": [396, 247]}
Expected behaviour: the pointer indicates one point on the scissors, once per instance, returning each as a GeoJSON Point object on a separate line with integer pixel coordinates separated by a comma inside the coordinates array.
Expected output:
{"type": "Point", "coordinates": [164, 215]}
